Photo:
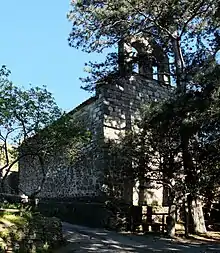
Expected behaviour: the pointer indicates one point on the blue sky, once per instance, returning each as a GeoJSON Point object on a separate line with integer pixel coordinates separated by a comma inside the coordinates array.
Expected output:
{"type": "Point", "coordinates": [34, 47]}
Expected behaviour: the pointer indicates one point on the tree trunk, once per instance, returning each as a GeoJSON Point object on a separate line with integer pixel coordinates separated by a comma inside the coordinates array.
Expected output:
{"type": "Point", "coordinates": [198, 216]}
{"type": "Point", "coordinates": [193, 202]}
{"type": "Point", "coordinates": [171, 220]}
{"type": "Point", "coordinates": [208, 206]}
{"type": "Point", "coordinates": [179, 63]}
{"type": "Point", "coordinates": [186, 218]}
{"type": "Point", "coordinates": [189, 217]}
{"type": "Point", "coordinates": [141, 192]}
{"type": "Point", "coordinates": [195, 214]}
{"type": "Point", "coordinates": [2, 186]}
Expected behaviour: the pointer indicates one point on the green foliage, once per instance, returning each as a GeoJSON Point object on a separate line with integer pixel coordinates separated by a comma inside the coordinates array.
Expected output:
{"type": "Point", "coordinates": [31, 124]}
{"type": "Point", "coordinates": [21, 230]}
{"type": "Point", "coordinates": [25, 112]}
{"type": "Point", "coordinates": [181, 137]}
{"type": "Point", "coordinates": [177, 143]}
{"type": "Point", "coordinates": [185, 30]}
{"type": "Point", "coordinates": [188, 31]}
{"type": "Point", "coordinates": [10, 206]}
{"type": "Point", "coordinates": [100, 72]}
{"type": "Point", "coordinates": [97, 24]}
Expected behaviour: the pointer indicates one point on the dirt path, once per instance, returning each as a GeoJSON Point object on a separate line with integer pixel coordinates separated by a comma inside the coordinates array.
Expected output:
{"type": "Point", "coordinates": [83, 240]}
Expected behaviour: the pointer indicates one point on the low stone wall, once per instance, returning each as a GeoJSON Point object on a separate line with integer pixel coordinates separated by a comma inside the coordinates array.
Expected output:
{"type": "Point", "coordinates": [88, 214]}
{"type": "Point", "coordinates": [91, 214]}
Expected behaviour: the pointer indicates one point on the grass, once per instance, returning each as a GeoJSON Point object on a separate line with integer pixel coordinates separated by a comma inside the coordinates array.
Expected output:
{"type": "Point", "coordinates": [16, 229]}
{"type": "Point", "coordinates": [11, 226]}
{"type": "Point", "coordinates": [12, 219]}
{"type": "Point", "coordinates": [10, 206]}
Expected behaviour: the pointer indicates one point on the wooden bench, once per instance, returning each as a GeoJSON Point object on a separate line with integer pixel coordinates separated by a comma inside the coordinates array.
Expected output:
{"type": "Point", "coordinates": [155, 226]}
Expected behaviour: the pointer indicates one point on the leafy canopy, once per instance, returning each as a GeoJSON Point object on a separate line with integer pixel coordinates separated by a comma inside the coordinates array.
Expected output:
{"type": "Point", "coordinates": [187, 30]}
{"type": "Point", "coordinates": [31, 124]}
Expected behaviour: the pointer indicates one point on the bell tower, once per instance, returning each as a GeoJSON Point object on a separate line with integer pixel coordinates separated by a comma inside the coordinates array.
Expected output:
{"type": "Point", "coordinates": [144, 76]}
{"type": "Point", "coordinates": [145, 57]}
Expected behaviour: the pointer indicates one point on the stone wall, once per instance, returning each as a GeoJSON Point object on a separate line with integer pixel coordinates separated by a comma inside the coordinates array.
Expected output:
{"type": "Point", "coordinates": [65, 177]}
{"type": "Point", "coordinates": [107, 116]}
{"type": "Point", "coordinates": [122, 101]}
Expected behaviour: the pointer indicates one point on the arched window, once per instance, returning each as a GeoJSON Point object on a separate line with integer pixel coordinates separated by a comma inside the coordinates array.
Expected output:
{"type": "Point", "coordinates": [135, 62]}
{"type": "Point", "coordinates": [146, 58]}
{"type": "Point", "coordinates": [155, 72]}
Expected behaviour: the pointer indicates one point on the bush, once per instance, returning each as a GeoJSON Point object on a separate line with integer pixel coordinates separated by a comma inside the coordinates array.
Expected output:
{"type": "Point", "coordinates": [30, 233]}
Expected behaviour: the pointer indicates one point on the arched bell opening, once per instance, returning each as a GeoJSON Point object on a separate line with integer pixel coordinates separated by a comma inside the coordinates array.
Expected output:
{"type": "Point", "coordinates": [144, 58]}
{"type": "Point", "coordinates": [161, 64]}
{"type": "Point", "coordinates": [135, 62]}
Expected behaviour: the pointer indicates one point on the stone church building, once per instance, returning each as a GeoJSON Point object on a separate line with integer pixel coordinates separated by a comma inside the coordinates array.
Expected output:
{"type": "Point", "coordinates": [108, 115]}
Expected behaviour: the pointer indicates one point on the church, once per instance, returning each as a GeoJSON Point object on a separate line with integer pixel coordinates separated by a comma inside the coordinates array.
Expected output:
{"type": "Point", "coordinates": [107, 115]}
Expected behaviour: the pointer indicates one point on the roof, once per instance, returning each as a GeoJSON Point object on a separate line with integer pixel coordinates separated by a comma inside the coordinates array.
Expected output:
{"type": "Point", "coordinates": [83, 104]}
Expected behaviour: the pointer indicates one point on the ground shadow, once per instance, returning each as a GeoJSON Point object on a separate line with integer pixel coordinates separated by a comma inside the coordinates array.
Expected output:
{"type": "Point", "coordinates": [82, 239]}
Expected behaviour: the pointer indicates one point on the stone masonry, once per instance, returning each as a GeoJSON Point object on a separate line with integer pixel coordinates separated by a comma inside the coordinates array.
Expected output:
{"type": "Point", "coordinates": [108, 115]}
